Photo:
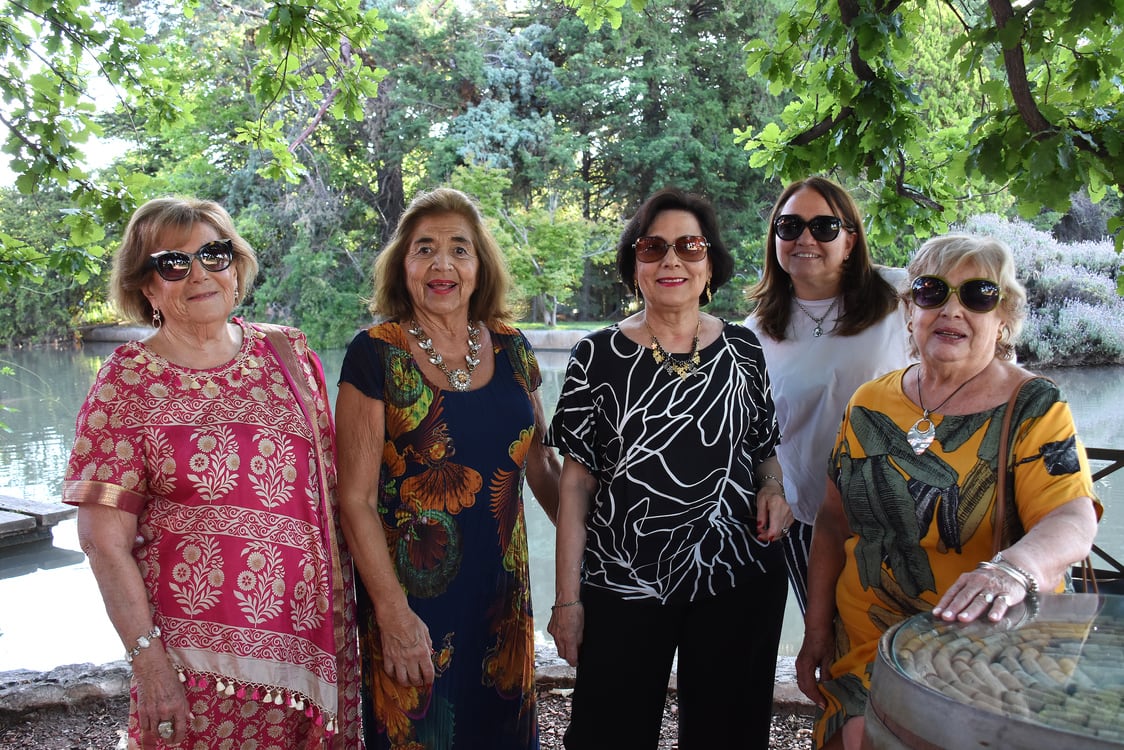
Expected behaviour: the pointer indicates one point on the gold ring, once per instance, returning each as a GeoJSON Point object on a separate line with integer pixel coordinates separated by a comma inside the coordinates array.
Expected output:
{"type": "Point", "coordinates": [166, 729]}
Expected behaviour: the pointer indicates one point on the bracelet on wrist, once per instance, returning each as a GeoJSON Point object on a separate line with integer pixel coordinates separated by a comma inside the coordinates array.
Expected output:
{"type": "Point", "coordinates": [143, 642]}
{"type": "Point", "coordinates": [775, 478]}
{"type": "Point", "coordinates": [562, 605]}
{"type": "Point", "coordinates": [1022, 577]}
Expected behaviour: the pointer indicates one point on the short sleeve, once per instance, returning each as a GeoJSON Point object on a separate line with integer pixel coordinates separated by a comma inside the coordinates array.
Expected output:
{"type": "Point", "coordinates": [1050, 464]}
{"type": "Point", "coordinates": [572, 429]}
{"type": "Point", "coordinates": [107, 463]}
{"type": "Point", "coordinates": [363, 364]}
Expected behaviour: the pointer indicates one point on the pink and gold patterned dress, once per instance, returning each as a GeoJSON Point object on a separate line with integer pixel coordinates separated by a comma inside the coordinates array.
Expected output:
{"type": "Point", "coordinates": [233, 485]}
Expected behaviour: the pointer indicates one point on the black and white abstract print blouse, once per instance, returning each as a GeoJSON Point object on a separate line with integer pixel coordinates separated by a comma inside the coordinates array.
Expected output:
{"type": "Point", "coordinates": [674, 514]}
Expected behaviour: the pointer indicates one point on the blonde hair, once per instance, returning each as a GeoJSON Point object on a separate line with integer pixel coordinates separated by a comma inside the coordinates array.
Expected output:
{"type": "Point", "coordinates": [939, 256]}
{"type": "Point", "coordinates": [158, 221]}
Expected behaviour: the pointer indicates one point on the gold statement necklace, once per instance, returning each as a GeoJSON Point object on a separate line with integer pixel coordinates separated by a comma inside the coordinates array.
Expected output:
{"type": "Point", "coordinates": [671, 365]}
{"type": "Point", "coordinates": [920, 439]}
{"type": "Point", "coordinates": [459, 379]}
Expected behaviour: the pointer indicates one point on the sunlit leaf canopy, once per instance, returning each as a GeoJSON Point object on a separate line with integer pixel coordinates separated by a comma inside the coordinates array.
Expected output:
{"type": "Point", "coordinates": [1039, 84]}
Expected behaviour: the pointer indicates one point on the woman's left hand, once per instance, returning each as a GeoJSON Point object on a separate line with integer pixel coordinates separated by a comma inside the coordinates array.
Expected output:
{"type": "Point", "coordinates": [774, 516]}
{"type": "Point", "coordinates": [978, 592]}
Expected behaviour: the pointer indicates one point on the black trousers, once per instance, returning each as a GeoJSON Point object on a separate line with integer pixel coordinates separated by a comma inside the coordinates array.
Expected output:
{"type": "Point", "coordinates": [727, 665]}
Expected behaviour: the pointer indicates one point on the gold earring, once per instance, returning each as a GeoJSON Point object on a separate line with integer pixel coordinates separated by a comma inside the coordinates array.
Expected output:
{"type": "Point", "coordinates": [709, 295]}
{"type": "Point", "coordinates": [636, 290]}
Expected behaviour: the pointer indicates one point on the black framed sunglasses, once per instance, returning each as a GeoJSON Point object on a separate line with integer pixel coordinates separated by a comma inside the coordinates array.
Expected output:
{"type": "Point", "coordinates": [824, 228]}
{"type": "Point", "coordinates": [173, 265]}
{"type": "Point", "coordinates": [687, 247]}
{"type": "Point", "coordinates": [977, 295]}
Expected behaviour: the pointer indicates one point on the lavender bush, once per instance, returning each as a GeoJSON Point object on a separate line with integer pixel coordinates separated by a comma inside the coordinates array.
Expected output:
{"type": "Point", "coordinates": [1075, 315]}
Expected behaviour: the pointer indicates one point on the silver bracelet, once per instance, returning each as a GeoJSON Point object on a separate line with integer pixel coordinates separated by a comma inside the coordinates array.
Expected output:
{"type": "Point", "coordinates": [775, 478]}
{"type": "Point", "coordinates": [143, 642]}
{"type": "Point", "coordinates": [1022, 577]}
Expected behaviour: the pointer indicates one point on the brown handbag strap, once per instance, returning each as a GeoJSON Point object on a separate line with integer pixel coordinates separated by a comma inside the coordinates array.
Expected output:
{"type": "Point", "coordinates": [1004, 463]}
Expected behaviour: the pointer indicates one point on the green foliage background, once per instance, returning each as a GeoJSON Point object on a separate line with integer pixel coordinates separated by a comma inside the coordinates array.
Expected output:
{"type": "Point", "coordinates": [314, 123]}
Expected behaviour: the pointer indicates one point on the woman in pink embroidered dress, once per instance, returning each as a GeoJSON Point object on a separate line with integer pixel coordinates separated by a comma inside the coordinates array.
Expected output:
{"type": "Point", "coordinates": [203, 469]}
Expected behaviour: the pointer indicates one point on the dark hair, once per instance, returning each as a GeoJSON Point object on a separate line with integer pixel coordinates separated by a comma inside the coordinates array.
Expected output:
{"type": "Point", "coordinates": [158, 221]}
{"type": "Point", "coordinates": [867, 297]}
{"type": "Point", "coordinates": [673, 199]}
{"type": "Point", "coordinates": [391, 293]}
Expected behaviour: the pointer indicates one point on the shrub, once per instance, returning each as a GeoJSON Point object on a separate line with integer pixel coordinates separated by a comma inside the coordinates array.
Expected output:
{"type": "Point", "coordinates": [1075, 315]}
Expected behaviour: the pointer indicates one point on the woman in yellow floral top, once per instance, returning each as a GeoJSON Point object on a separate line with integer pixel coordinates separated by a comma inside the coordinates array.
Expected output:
{"type": "Point", "coordinates": [908, 522]}
{"type": "Point", "coordinates": [439, 421]}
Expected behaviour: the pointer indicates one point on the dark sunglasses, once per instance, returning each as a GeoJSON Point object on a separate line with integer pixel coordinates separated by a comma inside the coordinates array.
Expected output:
{"type": "Point", "coordinates": [687, 247]}
{"type": "Point", "coordinates": [823, 228]}
{"type": "Point", "coordinates": [173, 265]}
{"type": "Point", "coordinates": [977, 295]}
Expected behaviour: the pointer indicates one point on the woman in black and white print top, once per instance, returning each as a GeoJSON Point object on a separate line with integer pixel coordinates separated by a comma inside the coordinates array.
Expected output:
{"type": "Point", "coordinates": [671, 502]}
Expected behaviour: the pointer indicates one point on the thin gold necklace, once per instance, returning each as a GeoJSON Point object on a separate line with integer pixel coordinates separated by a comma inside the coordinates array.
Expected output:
{"type": "Point", "coordinates": [671, 365]}
{"type": "Point", "coordinates": [920, 439]}
{"type": "Point", "coordinates": [459, 379]}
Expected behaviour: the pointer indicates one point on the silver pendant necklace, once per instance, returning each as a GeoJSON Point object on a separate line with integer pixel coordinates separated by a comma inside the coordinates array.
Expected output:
{"type": "Point", "coordinates": [920, 439]}
{"type": "Point", "coordinates": [818, 330]}
{"type": "Point", "coordinates": [459, 379]}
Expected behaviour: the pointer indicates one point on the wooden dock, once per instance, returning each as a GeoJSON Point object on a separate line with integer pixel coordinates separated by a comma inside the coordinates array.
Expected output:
{"type": "Point", "coordinates": [23, 521]}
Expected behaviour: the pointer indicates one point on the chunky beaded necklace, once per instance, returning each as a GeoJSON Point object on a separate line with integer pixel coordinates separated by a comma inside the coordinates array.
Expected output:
{"type": "Point", "coordinates": [673, 366]}
{"type": "Point", "coordinates": [459, 379]}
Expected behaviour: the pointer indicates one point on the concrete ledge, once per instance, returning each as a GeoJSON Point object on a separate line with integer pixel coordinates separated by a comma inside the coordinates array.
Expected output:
{"type": "Point", "coordinates": [24, 690]}
{"type": "Point", "coordinates": [554, 339]}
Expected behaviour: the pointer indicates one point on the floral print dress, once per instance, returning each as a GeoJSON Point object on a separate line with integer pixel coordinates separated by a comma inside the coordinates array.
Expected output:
{"type": "Point", "coordinates": [451, 504]}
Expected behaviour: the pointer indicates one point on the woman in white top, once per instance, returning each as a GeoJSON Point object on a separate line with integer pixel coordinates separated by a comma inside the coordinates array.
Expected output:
{"type": "Point", "coordinates": [828, 321]}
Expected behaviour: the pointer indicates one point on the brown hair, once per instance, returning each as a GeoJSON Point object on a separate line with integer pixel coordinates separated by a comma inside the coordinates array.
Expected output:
{"type": "Point", "coordinates": [157, 221]}
{"type": "Point", "coordinates": [391, 294]}
{"type": "Point", "coordinates": [867, 297]}
{"type": "Point", "coordinates": [673, 199]}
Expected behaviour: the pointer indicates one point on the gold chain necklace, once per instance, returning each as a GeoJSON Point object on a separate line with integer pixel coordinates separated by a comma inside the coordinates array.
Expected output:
{"type": "Point", "coordinates": [920, 439]}
{"type": "Point", "coordinates": [459, 379]}
{"type": "Point", "coordinates": [671, 365]}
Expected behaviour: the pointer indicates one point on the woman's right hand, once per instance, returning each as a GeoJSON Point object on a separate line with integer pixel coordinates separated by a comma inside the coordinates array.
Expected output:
{"type": "Point", "coordinates": [407, 650]}
{"type": "Point", "coordinates": [160, 697]}
{"type": "Point", "coordinates": [813, 664]}
{"type": "Point", "coordinates": [566, 625]}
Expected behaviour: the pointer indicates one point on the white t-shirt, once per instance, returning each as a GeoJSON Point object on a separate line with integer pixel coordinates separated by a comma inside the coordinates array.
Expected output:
{"type": "Point", "coordinates": [813, 378]}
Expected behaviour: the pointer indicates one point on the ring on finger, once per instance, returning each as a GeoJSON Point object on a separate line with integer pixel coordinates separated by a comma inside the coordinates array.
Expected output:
{"type": "Point", "coordinates": [989, 598]}
{"type": "Point", "coordinates": [166, 729]}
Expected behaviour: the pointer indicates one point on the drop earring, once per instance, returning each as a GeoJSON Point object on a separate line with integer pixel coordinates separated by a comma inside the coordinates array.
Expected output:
{"type": "Point", "coordinates": [709, 294]}
{"type": "Point", "coordinates": [157, 319]}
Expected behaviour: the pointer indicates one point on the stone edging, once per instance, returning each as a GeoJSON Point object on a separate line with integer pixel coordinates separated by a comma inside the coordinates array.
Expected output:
{"type": "Point", "coordinates": [25, 690]}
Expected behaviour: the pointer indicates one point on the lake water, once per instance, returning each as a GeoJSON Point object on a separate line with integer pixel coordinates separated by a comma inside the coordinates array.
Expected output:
{"type": "Point", "coordinates": [50, 609]}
